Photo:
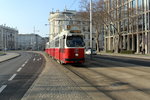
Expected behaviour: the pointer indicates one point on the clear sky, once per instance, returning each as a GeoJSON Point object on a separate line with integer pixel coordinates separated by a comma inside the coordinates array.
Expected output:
{"type": "Point", "coordinates": [27, 14]}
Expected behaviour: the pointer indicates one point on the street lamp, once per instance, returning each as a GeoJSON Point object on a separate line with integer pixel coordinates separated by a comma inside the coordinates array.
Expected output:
{"type": "Point", "coordinates": [34, 30]}
{"type": "Point", "coordinates": [4, 40]}
{"type": "Point", "coordinates": [49, 30]}
{"type": "Point", "coordinates": [36, 41]}
{"type": "Point", "coordinates": [91, 46]}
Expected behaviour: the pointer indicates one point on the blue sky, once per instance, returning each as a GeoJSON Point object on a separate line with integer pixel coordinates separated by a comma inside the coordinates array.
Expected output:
{"type": "Point", "coordinates": [27, 14]}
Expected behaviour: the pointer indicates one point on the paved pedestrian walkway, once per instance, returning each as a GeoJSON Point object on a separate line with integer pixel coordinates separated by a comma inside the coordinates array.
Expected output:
{"type": "Point", "coordinates": [8, 56]}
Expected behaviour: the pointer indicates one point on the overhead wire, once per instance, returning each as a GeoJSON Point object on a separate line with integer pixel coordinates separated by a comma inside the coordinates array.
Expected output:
{"type": "Point", "coordinates": [72, 4]}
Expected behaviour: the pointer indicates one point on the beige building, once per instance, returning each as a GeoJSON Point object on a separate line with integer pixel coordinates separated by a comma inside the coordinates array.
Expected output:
{"type": "Point", "coordinates": [131, 19]}
{"type": "Point", "coordinates": [8, 38]}
{"type": "Point", "coordinates": [58, 22]}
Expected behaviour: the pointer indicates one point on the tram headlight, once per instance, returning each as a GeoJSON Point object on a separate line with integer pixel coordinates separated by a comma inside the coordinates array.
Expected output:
{"type": "Point", "coordinates": [76, 54]}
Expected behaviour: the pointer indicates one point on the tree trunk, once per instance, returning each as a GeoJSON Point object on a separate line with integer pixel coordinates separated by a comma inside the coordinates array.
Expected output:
{"type": "Point", "coordinates": [97, 39]}
{"type": "Point", "coordinates": [97, 45]}
{"type": "Point", "coordinates": [117, 44]}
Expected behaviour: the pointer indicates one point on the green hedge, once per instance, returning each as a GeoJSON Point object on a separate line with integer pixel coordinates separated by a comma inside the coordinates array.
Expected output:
{"type": "Point", "coordinates": [127, 52]}
{"type": "Point", "coordinates": [109, 51]}
{"type": "Point", "coordinates": [2, 53]}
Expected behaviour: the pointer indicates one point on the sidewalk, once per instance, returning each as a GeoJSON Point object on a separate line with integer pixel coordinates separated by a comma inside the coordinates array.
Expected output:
{"type": "Point", "coordinates": [8, 56]}
{"type": "Point", "coordinates": [143, 56]}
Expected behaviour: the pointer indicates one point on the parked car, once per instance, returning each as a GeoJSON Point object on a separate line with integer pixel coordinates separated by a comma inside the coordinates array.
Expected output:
{"type": "Point", "coordinates": [88, 52]}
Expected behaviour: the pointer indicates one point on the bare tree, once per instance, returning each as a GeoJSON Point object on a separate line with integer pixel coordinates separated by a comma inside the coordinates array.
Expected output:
{"type": "Point", "coordinates": [96, 11]}
{"type": "Point", "coordinates": [118, 20]}
{"type": "Point", "coordinates": [110, 19]}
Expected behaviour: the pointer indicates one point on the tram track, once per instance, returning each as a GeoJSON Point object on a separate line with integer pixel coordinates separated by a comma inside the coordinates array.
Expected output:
{"type": "Point", "coordinates": [100, 88]}
{"type": "Point", "coordinates": [136, 88]}
{"type": "Point", "coordinates": [88, 81]}
{"type": "Point", "coordinates": [117, 67]}
{"type": "Point", "coordinates": [112, 87]}
{"type": "Point", "coordinates": [145, 69]}
{"type": "Point", "coordinates": [140, 86]}
{"type": "Point", "coordinates": [63, 69]}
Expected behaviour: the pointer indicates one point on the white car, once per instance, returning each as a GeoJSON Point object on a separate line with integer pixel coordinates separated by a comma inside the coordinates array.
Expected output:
{"type": "Point", "coordinates": [88, 52]}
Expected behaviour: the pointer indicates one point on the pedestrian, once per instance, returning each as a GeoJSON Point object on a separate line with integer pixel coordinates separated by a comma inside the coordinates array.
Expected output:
{"type": "Point", "coordinates": [144, 51]}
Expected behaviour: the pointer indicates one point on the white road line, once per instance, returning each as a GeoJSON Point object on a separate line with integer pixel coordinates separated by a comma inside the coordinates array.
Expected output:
{"type": "Point", "coordinates": [12, 77]}
{"type": "Point", "coordinates": [2, 88]}
{"type": "Point", "coordinates": [19, 70]}
{"type": "Point", "coordinates": [34, 59]}
{"type": "Point", "coordinates": [23, 65]}
{"type": "Point", "coordinates": [26, 61]}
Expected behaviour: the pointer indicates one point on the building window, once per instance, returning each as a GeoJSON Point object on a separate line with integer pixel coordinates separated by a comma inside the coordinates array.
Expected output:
{"type": "Point", "coordinates": [140, 22]}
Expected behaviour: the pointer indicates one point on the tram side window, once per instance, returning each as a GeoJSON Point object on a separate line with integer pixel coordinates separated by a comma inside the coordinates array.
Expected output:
{"type": "Point", "coordinates": [62, 40]}
{"type": "Point", "coordinates": [57, 43]}
{"type": "Point", "coordinates": [53, 44]}
{"type": "Point", "coordinates": [61, 43]}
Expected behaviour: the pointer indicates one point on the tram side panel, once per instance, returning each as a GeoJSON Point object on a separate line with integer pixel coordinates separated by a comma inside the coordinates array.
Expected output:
{"type": "Point", "coordinates": [50, 51]}
{"type": "Point", "coordinates": [57, 46]}
{"type": "Point", "coordinates": [53, 52]}
{"type": "Point", "coordinates": [57, 51]}
{"type": "Point", "coordinates": [46, 51]}
{"type": "Point", "coordinates": [61, 54]}
{"type": "Point", "coordinates": [61, 49]}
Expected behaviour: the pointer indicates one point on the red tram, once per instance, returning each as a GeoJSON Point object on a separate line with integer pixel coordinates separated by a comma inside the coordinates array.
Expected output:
{"type": "Point", "coordinates": [67, 47]}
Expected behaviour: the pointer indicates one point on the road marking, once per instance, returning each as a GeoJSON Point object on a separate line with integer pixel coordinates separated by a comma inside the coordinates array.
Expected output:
{"type": "Point", "coordinates": [38, 59]}
{"type": "Point", "coordinates": [19, 70]}
{"type": "Point", "coordinates": [2, 88]}
{"type": "Point", "coordinates": [34, 59]}
{"type": "Point", "coordinates": [23, 65]}
{"type": "Point", "coordinates": [12, 77]}
{"type": "Point", "coordinates": [26, 62]}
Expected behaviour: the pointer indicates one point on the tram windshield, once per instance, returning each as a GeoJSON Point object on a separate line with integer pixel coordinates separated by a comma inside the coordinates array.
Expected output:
{"type": "Point", "coordinates": [75, 41]}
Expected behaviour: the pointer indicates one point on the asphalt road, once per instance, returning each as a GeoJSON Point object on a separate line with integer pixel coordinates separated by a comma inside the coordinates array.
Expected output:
{"type": "Point", "coordinates": [18, 74]}
{"type": "Point", "coordinates": [117, 78]}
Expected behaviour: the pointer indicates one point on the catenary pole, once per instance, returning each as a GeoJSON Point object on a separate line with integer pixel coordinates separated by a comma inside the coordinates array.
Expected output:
{"type": "Point", "coordinates": [91, 46]}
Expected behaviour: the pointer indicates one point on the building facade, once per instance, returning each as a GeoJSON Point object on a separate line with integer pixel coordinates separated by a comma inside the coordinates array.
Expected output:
{"type": "Point", "coordinates": [8, 38]}
{"type": "Point", "coordinates": [58, 21]}
{"type": "Point", "coordinates": [131, 20]}
{"type": "Point", "coordinates": [31, 42]}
